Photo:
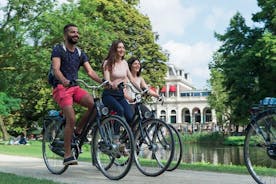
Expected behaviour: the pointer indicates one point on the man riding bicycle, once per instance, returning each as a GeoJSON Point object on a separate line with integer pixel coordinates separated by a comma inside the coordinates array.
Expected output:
{"type": "Point", "coordinates": [65, 65]}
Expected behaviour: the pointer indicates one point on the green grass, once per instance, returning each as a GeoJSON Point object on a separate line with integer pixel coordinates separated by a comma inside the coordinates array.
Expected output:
{"type": "Point", "coordinates": [234, 169]}
{"type": "Point", "coordinates": [234, 140]}
{"type": "Point", "coordinates": [7, 178]}
{"type": "Point", "coordinates": [214, 138]}
{"type": "Point", "coordinates": [202, 137]}
{"type": "Point", "coordinates": [34, 149]}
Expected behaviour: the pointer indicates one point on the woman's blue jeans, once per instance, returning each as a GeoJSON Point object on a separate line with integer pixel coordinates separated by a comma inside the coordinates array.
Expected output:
{"type": "Point", "coordinates": [115, 100]}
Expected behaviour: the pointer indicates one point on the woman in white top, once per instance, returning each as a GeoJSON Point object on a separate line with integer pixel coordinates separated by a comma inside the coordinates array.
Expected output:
{"type": "Point", "coordinates": [116, 71]}
{"type": "Point", "coordinates": [135, 68]}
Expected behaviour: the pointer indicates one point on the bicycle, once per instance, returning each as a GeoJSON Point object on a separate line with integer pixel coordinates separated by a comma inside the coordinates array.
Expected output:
{"type": "Point", "coordinates": [153, 138]}
{"type": "Point", "coordinates": [260, 142]}
{"type": "Point", "coordinates": [104, 151]}
{"type": "Point", "coordinates": [178, 152]}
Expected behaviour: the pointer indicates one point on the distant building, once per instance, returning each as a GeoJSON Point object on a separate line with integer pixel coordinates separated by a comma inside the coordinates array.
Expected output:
{"type": "Point", "coordinates": [183, 103]}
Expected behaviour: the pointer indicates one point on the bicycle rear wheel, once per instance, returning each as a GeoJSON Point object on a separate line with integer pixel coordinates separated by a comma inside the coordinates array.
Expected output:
{"type": "Point", "coordinates": [178, 151]}
{"type": "Point", "coordinates": [154, 147]}
{"type": "Point", "coordinates": [106, 152]}
{"type": "Point", "coordinates": [53, 153]}
{"type": "Point", "coordinates": [260, 148]}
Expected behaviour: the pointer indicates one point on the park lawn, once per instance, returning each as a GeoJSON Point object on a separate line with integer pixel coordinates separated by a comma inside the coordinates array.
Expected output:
{"type": "Point", "coordinates": [7, 178]}
{"type": "Point", "coordinates": [34, 149]}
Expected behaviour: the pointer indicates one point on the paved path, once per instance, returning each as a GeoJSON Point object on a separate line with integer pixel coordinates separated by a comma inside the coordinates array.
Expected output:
{"type": "Point", "coordinates": [85, 173]}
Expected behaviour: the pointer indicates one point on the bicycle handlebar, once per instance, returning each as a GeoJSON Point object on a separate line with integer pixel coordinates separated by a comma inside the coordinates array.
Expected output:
{"type": "Point", "coordinates": [138, 95]}
{"type": "Point", "coordinates": [144, 91]}
{"type": "Point", "coordinates": [92, 87]}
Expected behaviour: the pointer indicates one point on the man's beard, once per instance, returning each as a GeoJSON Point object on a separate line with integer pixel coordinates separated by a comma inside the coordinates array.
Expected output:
{"type": "Point", "coordinates": [70, 40]}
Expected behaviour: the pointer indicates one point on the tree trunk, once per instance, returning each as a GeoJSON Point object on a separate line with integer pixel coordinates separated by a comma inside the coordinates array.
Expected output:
{"type": "Point", "coordinates": [237, 129]}
{"type": "Point", "coordinates": [3, 129]}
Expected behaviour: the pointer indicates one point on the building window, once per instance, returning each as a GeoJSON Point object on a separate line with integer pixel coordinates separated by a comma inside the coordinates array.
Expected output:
{"type": "Point", "coordinates": [196, 94]}
{"type": "Point", "coordinates": [186, 117]}
{"type": "Point", "coordinates": [196, 116]}
{"type": "Point", "coordinates": [163, 115]}
{"type": "Point", "coordinates": [173, 116]}
{"type": "Point", "coordinates": [186, 76]}
{"type": "Point", "coordinates": [172, 90]}
{"type": "Point", "coordinates": [208, 115]}
{"type": "Point", "coordinates": [184, 94]}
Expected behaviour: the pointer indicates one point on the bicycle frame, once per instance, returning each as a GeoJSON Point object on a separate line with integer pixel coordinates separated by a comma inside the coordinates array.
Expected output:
{"type": "Point", "coordinates": [94, 118]}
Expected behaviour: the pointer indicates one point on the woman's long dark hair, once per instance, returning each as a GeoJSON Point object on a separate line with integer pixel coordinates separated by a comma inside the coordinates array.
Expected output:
{"type": "Point", "coordinates": [131, 61]}
{"type": "Point", "coordinates": [111, 57]}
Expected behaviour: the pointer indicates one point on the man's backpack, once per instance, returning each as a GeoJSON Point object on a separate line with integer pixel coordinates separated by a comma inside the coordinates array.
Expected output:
{"type": "Point", "coordinates": [62, 49]}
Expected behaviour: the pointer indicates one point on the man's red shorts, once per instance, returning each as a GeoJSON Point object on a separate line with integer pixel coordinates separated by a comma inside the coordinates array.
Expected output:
{"type": "Point", "coordinates": [67, 96]}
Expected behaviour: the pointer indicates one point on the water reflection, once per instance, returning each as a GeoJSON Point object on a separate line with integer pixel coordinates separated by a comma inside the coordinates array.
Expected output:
{"type": "Point", "coordinates": [214, 154]}
{"type": "Point", "coordinates": [219, 154]}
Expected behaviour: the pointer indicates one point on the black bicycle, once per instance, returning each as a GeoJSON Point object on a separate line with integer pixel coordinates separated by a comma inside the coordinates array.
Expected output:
{"type": "Point", "coordinates": [105, 150]}
{"type": "Point", "coordinates": [178, 152]}
{"type": "Point", "coordinates": [153, 139]}
{"type": "Point", "coordinates": [260, 142]}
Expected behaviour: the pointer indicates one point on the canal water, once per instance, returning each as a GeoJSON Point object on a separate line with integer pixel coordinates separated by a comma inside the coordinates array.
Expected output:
{"type": "Point", "coordinates": [214, 154]}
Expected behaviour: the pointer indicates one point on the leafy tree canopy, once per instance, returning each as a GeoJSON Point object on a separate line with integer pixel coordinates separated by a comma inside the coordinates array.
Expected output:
{"type": "Point", "coordinates": [243, 69]}
{"type": "Point", "coordinates": [30, 28]}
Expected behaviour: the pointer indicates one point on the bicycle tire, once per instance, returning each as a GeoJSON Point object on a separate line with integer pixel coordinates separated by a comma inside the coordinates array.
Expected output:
{"type": "Point", "coordinates": [53, 159]}
{"type": "Point", "coordinates": [259, 140]}
{"type": "Point", "coordinates": [93, 156]}
{"type": "Point", "coordinates": [178, 151]}
{"type": "Point", "coordinates": [106, 152]}
{"type": "Point", "coordinates": [148, 142]}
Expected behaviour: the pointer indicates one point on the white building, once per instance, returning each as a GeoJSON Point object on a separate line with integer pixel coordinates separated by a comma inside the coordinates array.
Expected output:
{"type": "Point", "coordinates": [184, 105]}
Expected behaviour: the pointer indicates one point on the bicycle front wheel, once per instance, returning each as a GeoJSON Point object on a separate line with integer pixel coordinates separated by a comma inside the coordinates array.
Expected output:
{"type": "Point", "coordinates": [260, 148]}
{"type": "Point", "coordinates": [178, 151]}
{"type": "Point", "coordinates": [154, 147]}
{"type": "Point", "coordinates": [113, 156]}
{"type": "Point", "coordinates": [53, 153]}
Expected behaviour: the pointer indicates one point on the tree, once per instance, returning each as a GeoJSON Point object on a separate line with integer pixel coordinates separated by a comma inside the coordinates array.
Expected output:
{"type": "Point", "coordinates": [7, 104]}
{"type": "Point", "coordinates": [19, 61]}
{"type": "Point", "coordinates": [267, 15]}
{"type": "Point", "coordinates": [219, 94]}
{"type": "Point", "coordinates": [237, 61]}
{"type": "Point", "coordinates": [245, 70]}
{"type": "Point", "coordinates": [30, 28]}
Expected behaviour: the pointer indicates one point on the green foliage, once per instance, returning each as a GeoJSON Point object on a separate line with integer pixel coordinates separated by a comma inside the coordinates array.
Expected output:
{"type": "Point", "coordinates": [8, 104]}
{"type": "Point", "coordinates": [234, 140]}
{"type": "Point", "coordinates": [203, 137]}
{"type": "Point", "coordinates": [29, 30]}
{"type": "Point", "coordinates": [243, 68]}
{"type": "Point", "coordinates": [267, 15]}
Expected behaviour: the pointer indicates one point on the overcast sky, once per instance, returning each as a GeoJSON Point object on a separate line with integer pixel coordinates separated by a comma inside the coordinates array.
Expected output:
{"type": "Point", "coordinates": [186, 29]}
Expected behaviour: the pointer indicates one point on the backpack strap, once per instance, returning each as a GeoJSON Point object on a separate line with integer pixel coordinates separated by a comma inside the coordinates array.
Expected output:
{"type": "Point", "coordinates": [78, 49]}
{"type": "Point", "coordinates": [79, 53]}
